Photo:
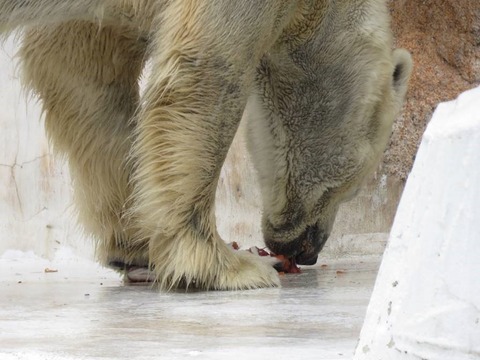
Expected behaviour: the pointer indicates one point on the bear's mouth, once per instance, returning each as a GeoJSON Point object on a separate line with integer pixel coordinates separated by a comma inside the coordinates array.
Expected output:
{"type": "Point", "coordinates": [304, 249]}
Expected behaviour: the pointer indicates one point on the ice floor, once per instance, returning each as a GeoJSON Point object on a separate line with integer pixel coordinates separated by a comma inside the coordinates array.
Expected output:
{"type": "Point", "coordinates": [85, 312]}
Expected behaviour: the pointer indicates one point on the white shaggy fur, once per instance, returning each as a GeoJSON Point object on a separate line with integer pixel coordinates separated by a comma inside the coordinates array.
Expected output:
{"type": "Point", "coordinates": [323, 88]}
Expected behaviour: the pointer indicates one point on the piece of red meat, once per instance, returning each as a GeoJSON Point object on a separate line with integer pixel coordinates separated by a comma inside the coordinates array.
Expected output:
{"type": "Point", "coordinates": [284, 265]}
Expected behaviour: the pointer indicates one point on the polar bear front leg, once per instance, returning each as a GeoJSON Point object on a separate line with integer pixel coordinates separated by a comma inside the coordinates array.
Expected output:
{"type": "Point", "coordinates": [203, 66]}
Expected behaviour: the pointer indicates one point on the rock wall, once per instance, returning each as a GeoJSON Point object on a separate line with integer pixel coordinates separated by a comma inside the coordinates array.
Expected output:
{"type": "Point", "coordinates": [443, 37]}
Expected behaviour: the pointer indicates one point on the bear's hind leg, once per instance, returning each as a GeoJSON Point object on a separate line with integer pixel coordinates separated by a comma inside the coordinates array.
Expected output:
{"type": "Point", "coordinates": [87, 79]}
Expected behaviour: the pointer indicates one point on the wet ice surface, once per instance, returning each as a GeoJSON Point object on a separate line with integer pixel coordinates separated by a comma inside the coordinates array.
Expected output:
{"type": "Point", "coordinates": [69, 315]}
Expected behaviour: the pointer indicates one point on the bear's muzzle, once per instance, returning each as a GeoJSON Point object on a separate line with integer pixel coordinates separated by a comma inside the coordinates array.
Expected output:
{"type": "Point", "coordinates": [304, 248]}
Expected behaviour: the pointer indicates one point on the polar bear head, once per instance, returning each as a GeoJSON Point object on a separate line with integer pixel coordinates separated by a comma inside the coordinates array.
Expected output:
{"type": "Point", "coordinates": [318, 123]}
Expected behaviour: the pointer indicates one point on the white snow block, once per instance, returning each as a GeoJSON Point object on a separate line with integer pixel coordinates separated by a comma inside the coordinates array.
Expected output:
{"type": "Point", "coordinates": [426, 300]}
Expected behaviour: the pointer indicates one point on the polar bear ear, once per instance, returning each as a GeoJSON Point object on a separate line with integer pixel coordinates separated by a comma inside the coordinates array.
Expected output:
{"type": "Point", "coordinates": [403, 68]}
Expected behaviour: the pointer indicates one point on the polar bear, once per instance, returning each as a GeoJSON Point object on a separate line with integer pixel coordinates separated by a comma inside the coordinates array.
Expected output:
{"type": "Point", "coordinates": [318, 80]}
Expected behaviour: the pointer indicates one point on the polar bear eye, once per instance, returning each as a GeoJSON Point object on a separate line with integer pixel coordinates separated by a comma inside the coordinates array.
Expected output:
{"type": "Point", "coordinates": [401, 73]}
{"type": "Point", "coordinates": [397, 73]}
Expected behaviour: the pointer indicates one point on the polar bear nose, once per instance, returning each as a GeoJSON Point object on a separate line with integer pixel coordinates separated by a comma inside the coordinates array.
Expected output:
{"type": "Point", "coordinates": [305, 260]}
{"type": "Point", "coordinates": [312, 243]}
{"type": "Point", "coordinates": [304, 248]}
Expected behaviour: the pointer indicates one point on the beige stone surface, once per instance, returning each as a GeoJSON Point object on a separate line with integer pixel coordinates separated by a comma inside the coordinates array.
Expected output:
{"type": "Point", "coordinates": [444, 39]}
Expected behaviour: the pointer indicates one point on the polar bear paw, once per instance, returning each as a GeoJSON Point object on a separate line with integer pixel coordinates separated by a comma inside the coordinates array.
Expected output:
{"type": "Point", "coordinates": [249, 272]}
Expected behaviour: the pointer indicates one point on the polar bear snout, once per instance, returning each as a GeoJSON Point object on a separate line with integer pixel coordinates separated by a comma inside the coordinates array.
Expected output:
{"type": "Point", "coordinates": [304, 248]}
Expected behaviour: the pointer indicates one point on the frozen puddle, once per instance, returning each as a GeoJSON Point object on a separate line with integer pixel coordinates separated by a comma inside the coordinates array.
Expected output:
{"type": "Point", "coordinates": [85, 312]}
